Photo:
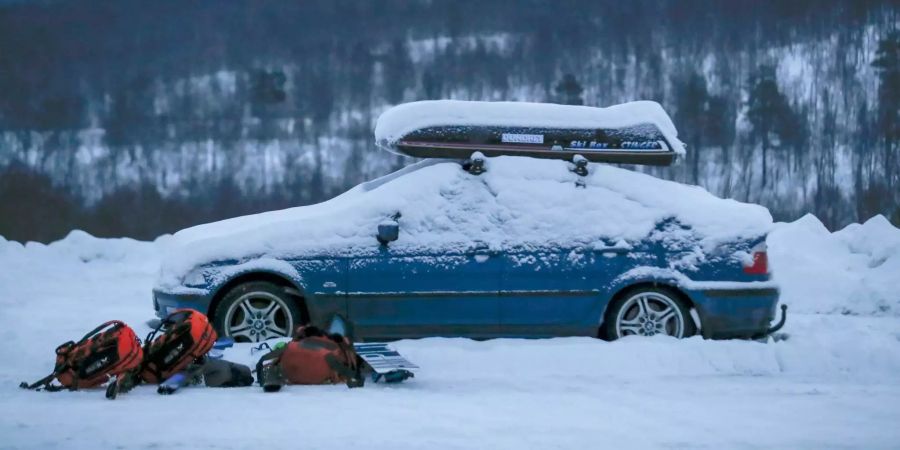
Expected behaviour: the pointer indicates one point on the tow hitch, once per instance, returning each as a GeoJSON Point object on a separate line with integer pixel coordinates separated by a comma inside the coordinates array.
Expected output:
{"type": "Point", "coordinates": [780, 323]}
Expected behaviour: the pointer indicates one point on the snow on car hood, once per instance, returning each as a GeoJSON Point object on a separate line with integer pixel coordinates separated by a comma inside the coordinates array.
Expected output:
{"type": "Point", "coordinates": [518, 200]}
{"type": "Point", "coordinates": [400, 120]}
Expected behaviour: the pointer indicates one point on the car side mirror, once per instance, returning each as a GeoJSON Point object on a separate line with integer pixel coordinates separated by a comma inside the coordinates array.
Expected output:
{"type": "Point", "coordinates": [388, 231]}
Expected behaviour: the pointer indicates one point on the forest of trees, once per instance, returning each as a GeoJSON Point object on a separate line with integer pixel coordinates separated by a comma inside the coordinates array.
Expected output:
{"type": "Point", "coordinates": [135, 118]}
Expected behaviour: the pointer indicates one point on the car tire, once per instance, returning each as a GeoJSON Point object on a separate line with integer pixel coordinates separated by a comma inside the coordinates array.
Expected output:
{"type": "Point", "coordinates": [257, 311]}
{"type": "Point", "coordinates": [648, 312]}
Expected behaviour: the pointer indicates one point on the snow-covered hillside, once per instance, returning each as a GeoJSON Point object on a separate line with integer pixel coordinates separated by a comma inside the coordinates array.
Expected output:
{"type": "Point", "coordinates": [832, 383]}
{"type": "Point", "coordinates": [258, 111]}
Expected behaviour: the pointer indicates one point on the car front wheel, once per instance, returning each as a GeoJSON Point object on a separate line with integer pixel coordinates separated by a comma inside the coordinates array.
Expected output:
{"type": "Point", "coordinates": [256, 311]}
{"type": "Point", "coordinates": [648, 312]}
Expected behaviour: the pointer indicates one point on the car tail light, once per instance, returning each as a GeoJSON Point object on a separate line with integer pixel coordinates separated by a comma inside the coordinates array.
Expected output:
{"type": "Point", "coordinates": [759, 265]}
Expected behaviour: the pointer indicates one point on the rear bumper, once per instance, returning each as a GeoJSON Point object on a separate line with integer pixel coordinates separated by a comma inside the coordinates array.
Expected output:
{"type": "Point", "coordinates": [742, 310]}
{"type": "Point", "coordinates": [166, 302]}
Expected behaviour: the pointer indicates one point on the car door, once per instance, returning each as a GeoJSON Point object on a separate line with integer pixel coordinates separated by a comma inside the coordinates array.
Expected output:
{"type": "Point", "coordinates": [325, 281]}
{"type": "Point", "coordinates": [557, 291]}
{"type": "Point", "coordinates": [400, 291]}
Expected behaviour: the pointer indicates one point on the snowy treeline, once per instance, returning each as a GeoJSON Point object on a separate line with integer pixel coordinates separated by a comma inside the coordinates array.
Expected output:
{"type": "Point", "coordinates": [137, 124]}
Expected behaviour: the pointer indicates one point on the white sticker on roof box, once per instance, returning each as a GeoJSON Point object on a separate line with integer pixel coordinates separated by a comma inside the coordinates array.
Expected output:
{"type": "Point", "coordinates": [516, 138]}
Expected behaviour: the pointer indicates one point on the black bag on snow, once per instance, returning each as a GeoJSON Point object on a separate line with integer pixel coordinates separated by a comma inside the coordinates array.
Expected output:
{"type": "Point", "coordinates": [221, 373]}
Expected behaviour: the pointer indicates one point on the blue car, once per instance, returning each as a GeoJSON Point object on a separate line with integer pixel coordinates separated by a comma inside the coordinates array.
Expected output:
{"type": "Point", "coordinates": [528, 248]}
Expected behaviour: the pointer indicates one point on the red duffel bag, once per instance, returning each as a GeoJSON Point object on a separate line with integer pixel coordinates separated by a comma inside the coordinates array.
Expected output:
{"type": "Point", "coordinates": [314, 357]}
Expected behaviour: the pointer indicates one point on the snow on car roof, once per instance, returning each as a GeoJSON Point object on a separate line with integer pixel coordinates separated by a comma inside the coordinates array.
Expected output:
{"type": "Point", "coordinates": [400, 120]}
{"type": "Point", "coordinates": [518, 200]}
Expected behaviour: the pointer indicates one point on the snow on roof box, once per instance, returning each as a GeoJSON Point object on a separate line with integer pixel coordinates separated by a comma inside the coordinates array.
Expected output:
{"type": "Point", "coordinates": [631, 133]}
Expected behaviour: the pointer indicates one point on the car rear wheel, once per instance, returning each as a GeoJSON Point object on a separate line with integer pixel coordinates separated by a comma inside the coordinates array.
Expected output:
{"type": "Point", "coordinates": [257, 311]}
{"type": "Point", "coordinates": [648, 312]}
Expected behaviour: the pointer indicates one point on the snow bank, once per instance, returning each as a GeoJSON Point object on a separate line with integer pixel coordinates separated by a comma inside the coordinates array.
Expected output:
{"type": "Point", "coordinates": [52, 293]}
{"type": "Point", "coordinates": [79, 248]}
{"type": "Point", "coordinates": [852, 271]}
{"type": "Point", "coordinates": [400, 120]}
{"type": "Point", "coordinates": [518, 200]}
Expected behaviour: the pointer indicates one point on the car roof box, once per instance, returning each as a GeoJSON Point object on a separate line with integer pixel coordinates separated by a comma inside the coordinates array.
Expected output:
{"type": "Point", "coordinates": [630, 133]}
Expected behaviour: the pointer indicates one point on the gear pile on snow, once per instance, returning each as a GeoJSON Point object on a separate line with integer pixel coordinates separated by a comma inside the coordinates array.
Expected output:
{"type": "Point", "coordinates": [173, 354]}
{"type": "Point", "coordinates": [177, 353]}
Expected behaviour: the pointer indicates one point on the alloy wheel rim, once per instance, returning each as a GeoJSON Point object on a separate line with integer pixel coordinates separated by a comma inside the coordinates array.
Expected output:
{"type": "Point", "coordinates": [649, 314]}
{"type": "Point", "coordinates": [258, 316]}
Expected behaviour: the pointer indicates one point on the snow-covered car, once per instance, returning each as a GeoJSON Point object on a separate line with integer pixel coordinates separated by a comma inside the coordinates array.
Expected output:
{"type": "Point", "coordinates": [527, 248]}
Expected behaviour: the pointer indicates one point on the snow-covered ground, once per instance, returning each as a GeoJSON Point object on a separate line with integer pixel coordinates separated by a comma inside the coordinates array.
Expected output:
{"type": "Point", "coordinates": [834, 383]}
